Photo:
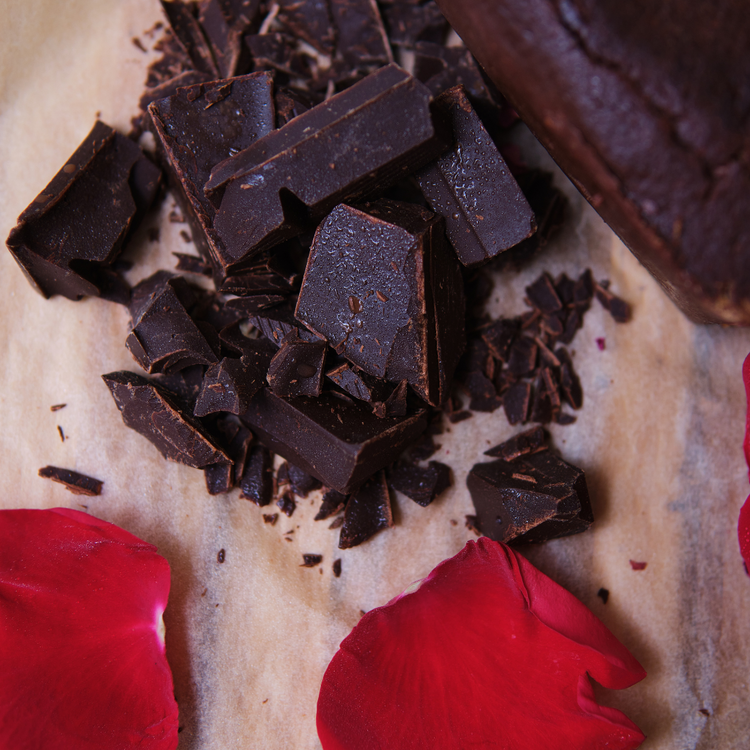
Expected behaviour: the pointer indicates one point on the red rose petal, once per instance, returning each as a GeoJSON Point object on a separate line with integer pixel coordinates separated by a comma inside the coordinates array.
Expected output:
{"type": "Point", "coordinates": [82, 663]}
{"type": "Point", "coordinates": [487, 652]}
{"type": "Point", "coordinates": [743, 527]}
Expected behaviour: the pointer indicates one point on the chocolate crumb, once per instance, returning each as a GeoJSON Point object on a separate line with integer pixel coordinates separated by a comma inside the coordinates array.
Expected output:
{"type": "Point", "coordinates": [337, 567]}
{"type": "Point", "coordinates": [221, 556]}
{"type": "Point", "coordinates": [270, 518]}
{"type": "Point", "coordinates": [287, 504]}
{"type": "Point", "coordinates": [62, 434]}
{"type": "Point", "coordinates": [57, 407]}
{"type": "Point", "coordinates": [603, 594]}
{"type": "Point", "coordinates": [310, 561]}
{"type": "Point", "coordinates": [138, 43]}
{"type": "Point", "coordinates": [78, 484]}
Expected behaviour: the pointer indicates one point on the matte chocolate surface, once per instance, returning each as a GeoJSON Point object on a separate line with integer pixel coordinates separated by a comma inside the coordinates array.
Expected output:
{"type": "Point", "coordinates": [359, 140]}
{"type": "Point", "coordinates": [152, 412]}
{"type": "Point", "coordinates": [471, 186]}
{"type": "Point", "coordinates": [68, 238]}
{"type": "Point", "coordinates": [384, 289]}
{"type": "Point", "coordinates": [338, 441]}
{"type": "Point", "coordinates": [530, 499]}
{"type": "Point", "coordinates": [78, 484]}
{"type": "Point", "coordinates": [367, 512]}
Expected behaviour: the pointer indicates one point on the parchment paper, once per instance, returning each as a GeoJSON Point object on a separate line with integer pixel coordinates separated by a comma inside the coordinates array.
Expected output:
{"type": "Point", "coordinates": [659, 436]}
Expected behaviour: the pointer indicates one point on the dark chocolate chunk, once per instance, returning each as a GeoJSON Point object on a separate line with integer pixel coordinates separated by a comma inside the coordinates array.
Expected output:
{"type": "Point", "coordinates": [57, 407]}
{"type": "Point", "coordinates": [153, 412]}
{"type": "Point", "coordinates": [310, 561]}
{"type": "Point", "coordinates": [361, 38]}
{"type": "Point", "coordinates": [367, 512]}
{"type": "Point", "coordinates": [337, 567]}
{"type": "Point", "coordinates": [297, 368]}
{"type": "Point", "coordinates": [333, 503]}
{"type": "Point", "coordinates": [257, 480]}
{"type": "Point", "coordinates": [420, 483]}
{"type": "Point", "coordinates": [188, 32]}
{"type": "Point", "coordinates": [301, 482]}
{"type": "Point", "coordinates": [359, 384]}
{"type": "Point", "coordinates": [395, 405]}
{"type": "Point", "coordinates": [499, 337]}
{"type": "Point", "coordinates": [529, 441]}
{"type": "Point", "coordinates": [78, 484]}
{"type": "Point", "coordinates": [522, 358]}
{"type": "Point", "coordinates": [409, 23]}
{"type": "Point", "coordinates": [67, 239]}
{"type": "Point", "coordinates": [340, 442]}
{"type": "Point", "coordinates": [617, 308]}
{"type": "Point", "coordinates": [384, 289]}
{"type": "Point", "coordinates": [309, 20]}
{"type": "Point", "coordinates": [224, 22]}
{"type": "Point", "coordinates": [236, 438]}
{"type": "Point", "coordinates": [164, 337]}
{"type": "Point", "coordinates": [542, 294]}
{"type": "Point", "coordinates": [278, 51]}
{"type": "Point", "coordinates": [516, 402]}
{"type": "Point", "coordinates": [196, 129]}
{"type": "Point", "coordinates": [570, 385]}
{"type": "Point", "coordinates": [287, 504]}
{"type": "Point", "coordinates": [221, 555]}
{"type": "Point", "coordinates": [542, 403]}
{"type": "Point", "coordinates": [364, 138]}
{"type": "Point", "coordinates": [423, 447]}
{"type": "Point", "coordinates": [279, 322]}
{"type": "Point", "coordinates": [471, 186]}
{"type": "Point", "coordinates": [530, 499]}
{"type": "Point", "coordinates": [184, 385]}
{"type": "Point", "coordinates": [229, 386]}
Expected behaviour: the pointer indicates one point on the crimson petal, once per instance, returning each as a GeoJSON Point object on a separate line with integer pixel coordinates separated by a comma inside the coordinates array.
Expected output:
{"type": "Point", "coordinates": [743, 527]}
{"type": "Point", "coordinates": [487, 652]}
{"type": "Point", "coordinates": [82, 662]}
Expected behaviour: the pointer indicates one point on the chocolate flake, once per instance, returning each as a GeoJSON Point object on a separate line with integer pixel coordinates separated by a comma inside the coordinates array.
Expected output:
{"type": "Point", "coordinates": [333, 503]}
{"type": "Point", "coordinates": [310, 561]}
{"type": "Point", "coordinates": [421, 484]}
{"type": "Point", "coordinates": [336, 567]}
{"type": "Point", "coordinates": [603, 594]}
{"type": "Point", "coordinates": [521, 444]}
{"type": "Point", "coordinates": [256, 484]}
{"type": "Point", "coordinates": [270, 518]}
{"type": "Point", "coordinates": [287, 504]}
{"type": "Point", "coordinates": [57, 407]}
{"type": "Point", "coordinates": [367, 512]}
{"type": "Point", "coordinates": [78, 484]}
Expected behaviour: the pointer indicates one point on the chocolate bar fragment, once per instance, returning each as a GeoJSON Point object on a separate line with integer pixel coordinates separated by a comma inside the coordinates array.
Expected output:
{"type": "Point", "coordinates": [471, 186]}
{"type": "Point", "coordinates": [360, 140]}
{"type": "Point", "coordinates": [188, 32]}
{"type": "Point", "coordinates": [333, 503]}
{"type": "Point", "coordinates": [297, 368]}
{"type": "Point", "coordinates": [420, 483]}
{"type": "Point", "coordinates": [152, 411]}
{"type": "Point", "coordinates": [530, 499]}
{"type": "Point", "coordinates": [229, 385]}
{"type": "Point", "coordinates": [198, 127]}
{"type": "Point", "coordinates": [256, 484]}
{"type": "Point", "coordinates": [409, 23]}
{"type": "Point", "coordinates": [367, 512]}
{"type": "Point", "coordinates": [521, 444]}
{"type": "Point", "coordinates": [385, 291]}
{"type": "Point", "coordinates": [338, 441]}
{"type": "Point", "coordinates": [638, 103]}
{"type": "Point", "coordinates": [67, 239]}
{"type": "Point", "coordinates": [78, 484]}
{"type": "Point", "coordinates": [223, 23]}
{"type": "Point", "coordinates": [164, 337]}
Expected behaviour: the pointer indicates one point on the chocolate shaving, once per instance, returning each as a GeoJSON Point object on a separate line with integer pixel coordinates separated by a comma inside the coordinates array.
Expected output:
{"type": "Point", "coordinates": [78, 484]}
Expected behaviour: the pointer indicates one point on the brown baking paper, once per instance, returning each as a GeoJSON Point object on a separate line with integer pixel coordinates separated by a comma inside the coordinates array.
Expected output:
{"type": "Point", "coordinates": [659, 437]}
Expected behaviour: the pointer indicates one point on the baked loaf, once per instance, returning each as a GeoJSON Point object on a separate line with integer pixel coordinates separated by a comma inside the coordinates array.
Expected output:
{"type": "Point", "coordinates": [646, 107]}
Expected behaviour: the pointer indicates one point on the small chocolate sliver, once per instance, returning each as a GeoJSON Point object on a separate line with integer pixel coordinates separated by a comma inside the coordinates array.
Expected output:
{"type": "Point", "coordinates": [256, 484]}
{"type": "Point", "coordinates": [516, 402]}
{"type": "Point", "coordinates": [78, 484]}
{"type": "Point", "coordinates": [421, 484]}
{"type": "Point", "coordinates": [310, 561]}
{"type": "Point", "coordinates": [270, 518]}
{"type": "Point", "coordinates": [337, 567]}
{"type": "Point", "coordinates": [287, 504]}
{"type": "Point", "coordinates": [367, 512]}
{"type": "Point", "coordinates": [529, 441]}
{"type": "Point", "coordinates": [301, 482]}
{"type": "Point", "coordinates": [603, 594]}
{"type": "Point", "coordinates": [57, 407]}
{"type": "Point", "coordinates": [333, 503]}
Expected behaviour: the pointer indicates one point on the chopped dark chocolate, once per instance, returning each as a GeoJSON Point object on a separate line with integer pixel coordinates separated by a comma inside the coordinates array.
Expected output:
{"type": "Point", "coordinates": [68, 238]}
{"type": "Point", "coordinates": [164, 337]}
{"type": "Point", "coordinates": [310, 561]}
{"type": "Point", "coordinates": [297, 368]}
{"type": "Point", "coordinates": [617, 308]}
{"type": "Point", "coordinates": [471, 186]}
{"type": "Point", "coordinates": [395, 405]}
{"type": "Point", "coordinates": [542, 294]}
{"type": "Point", "coordinates": [78, 484]}
{"type": "Point", "coordinates": [287, 504]}
{"type": "Point", "coordinates": [333, 503]}
{"type": "Point", "coordinates": [279, 322]}
{"type": "Point", "coordinates": [153, 412]}
{"type": "Point", "coordinates": [188, 32]}
{"type": "Point", "coordinates": [420, 483]}
{"type": "Point", "coordinates": [516, 401]}
{"type": "Point", "coordinates": [301, 482]}
{"type": "Point", "coordinates": [221, 555]}
{"type": "Point", "coordinates": [360, 36]}
{"type": "Point", "coordinates": [338, 441]}
{"type": "Point", "coordinates": [359, 384]}
{"type": "Point", "coordinates": [522, 357]}
{"type": "Point", "coordinates": [336, 567]}
{"type": "Point", "coordinates": [499, 337]}
{"type": "Point", "coordinates": [422, 448]}
{"type": "Point", "coordinates": [367, 512]}
{"type": "Point", "coordinates": [521, 444]}
{"type": "Point", "coordinates": [570, 385]}
{"type": "Point", "coordinates": [270, 518]}
{"type": "Point", "coordinates": [57, 407]}
{"type": "Point", "coordinates": [257, 480]}
{"type": "Point", "coordinates": [409, 23]}
{"type": "Point", "coordinates": [229, 386]}
{"type": "Point", "coordinates": [224, 23]}
{"type": "Point", "coordinates": [220, 478]}
{"type": "Point", "coordinates": [383, 288]}
{"type": "Point", "coordinates": [530, 499]}
{"type": "Point", "coordinates": [309, 20]}
{"type": "Point", "coordinates": [359, 140]}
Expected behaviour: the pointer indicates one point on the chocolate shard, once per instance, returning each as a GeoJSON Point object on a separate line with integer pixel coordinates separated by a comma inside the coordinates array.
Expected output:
{"type": "Point", "coordinates": [543, 295]}
{"type": "Point", "coordinates": [361, 38]}
{"type": "Point", "coordinates": [188, 32]}
{"type": "Point", "coordinates": [287, 504]}
{"type": "Point", "coordinates": [367, 512]}
{"type": "Point", "coordinates": [384, 289]}
{"type": "Point", "coordinates": [530, 499]}
{"type": "Point", "coordinates": [265, 191]}
{"type": "Point", "coordinates": [359, 384]}
{"type": "Point", "coordinates": [570, 385]}
{"type": "Point", "coordinates": [310, 561]}
{"type": "Point", "coordinates": [164, 336]}
{"type": "Point", "coordinates": [499, 337]}
{"type": "Point", "coordinates": [229, 385]}
{"type": "Point", "coordinates": [256, 483]}
{"type": "Point", "coordinates": [153, 412]}
{"type": "Point", "coordinates": [309, 20]}
{"type": "Point", "coordinates": [522, 357]}
{"type": "Point", "coordinates": [201, 125]}
{"type": "Point", "coordinates": [192, 264]}
{"type": "Point", "coordinates": [301, 482]}
{"type": "Point", "coordinates": [420, 483]}
{"type": "Point", "coordinates": [395, 405]}
{"type": "Point", "coordinates": [617, 308]}
{"type": "Point", "coordinates": [337, 567]}
{"type": "Point", "coordinates": [224, 22]}
{"type": "Point", "coordinates": [340, 442]}
{"type": "Point", "coordinates": [220, 478]}
{"type": "Point", "coordinates": [333, 503]}
{"type": "Point", "coordinates": [234, 340]}
{"type": "Point", "coordinates": [297, 368]}
{"type": "Point", "coordinates": [521, 444]}
{"type": "Point", "coordinates": [471, 186]}
{"type": "Point", "coordinates": [78, 484]}
{"type": "Point", "coordinates": [279, 322]}
{"type": "Point", "coordinates": [68, 238]}
{"type": "Point", "coordinates": [409, 23]}
{"type": "Point", "coordinates": [516, 401]}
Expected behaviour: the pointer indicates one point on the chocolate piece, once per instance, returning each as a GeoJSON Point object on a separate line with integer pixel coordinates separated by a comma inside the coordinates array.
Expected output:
{"type": "Point", "coordinates": [68, 238]}
{"type": "Point", "coordinates": [522, 358]}
{"type": "Point", "coordinates": [229, 386]}
{"type": "Point", "coordinates": [340, 442]}
{"type": "Point", "coordinates": [542, 294]}
{"type": "Point", "coordinates": [570, 385]}
{"type": "Point", "coordinates": [333, 503]}
{"type": "Point", "coordinates": [409, 23]}
{"type": "Point", "coordinates": [223, 23]}
{"type": "Point", "coordinates": [423, 447]}
{"type": "Point", "coordinates": [277, 51]}
{"type": "Point", "coordinates": [184, 385]}
{"type": "Point", "coordinates": [153, 412]}
{"type": "Point", "coordinates": [220, 478]}
{"type": "Point", "coordinates": [256, 484]}
{"type": "Point", "coordinates": [301, 482]}
{"type": "Point", "coordinates": [287, 504]}
{"type": "Point", "coordinates": [617, 308]}
{"type": "Point", "coordinates": [663, 165]}
{"type": "Point", "coordinates": [57, 407]}
{"type": "Point", "coordinates": [361, 38]}
{"type": "Point", "coordinates": [383, 288]}
{"type": "Point", "coordinates": [200, 126]}
{"type": "Point", "coordinates": [367, 512]}
{"type": "Point", "coordinates": [521, 444]}
{"type": "Point", "coordinates": [603, 594]}
{"type": "Point", "coordinates": [265, 191]}
{"type": "Point", "coordinates": [421, 484]}
{"type": "Point", "coordinates": [530, 499]}
{"type": "Point", "coordinates": [359, 384]}
{"type": "Point", "coordinates": [337, 523]}
{"type": "Point", "coordinates": [78, 484]}
{"type": "Point", "coordinates": [337, 567]}
{"type": "Point", "coordinates": [191, 264]}
{"type": "Point", "coordinates": [516, 402]}
{"type": "Point", "coordinates": [188, 32]}
{"type": "Point", "coordinates": [471, 186]}
{"type": "Point", "coordinates": [309, 20]}
{"type": "Point", "coordinates": [499, 337]}
{"type": "Point", "coordinates": [270, 518]}
{"type": "Point", "coordinates": [395, 405]}
{"type": "Point", "coordinates": [164, 337]}
{"type": "Point", "coordinates": [310, 561]}
{"type": "Point", "coordinates": [278, 323]}
{"type": "Point", "coordinates": [297, 368]}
